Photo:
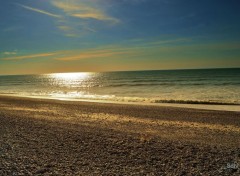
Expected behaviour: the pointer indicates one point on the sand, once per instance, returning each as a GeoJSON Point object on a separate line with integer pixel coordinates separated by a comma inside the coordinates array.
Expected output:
{"type": "Point", "coordinates": [52, 137]}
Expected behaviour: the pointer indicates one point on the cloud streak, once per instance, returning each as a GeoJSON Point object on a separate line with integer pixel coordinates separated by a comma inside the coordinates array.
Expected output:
{"type": "Point", "coordinates": [76, 17]}
{"type": "Point", "coordinates": [32, 56]}
{"type": "Point", "coordinates": [9, 53]}
{"type": "Point", "coordinates": [83, 10]}
{"type": "Point", "coordinates": [151, 49]}
{"type": "Point", "coordinates": [93, 55]}
{"type": "Point", "coordinates": [40, 11]}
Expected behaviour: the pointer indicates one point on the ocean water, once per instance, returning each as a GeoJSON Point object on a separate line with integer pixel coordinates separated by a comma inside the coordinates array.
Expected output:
{"type": "Point", "coordinates": [203, 86]}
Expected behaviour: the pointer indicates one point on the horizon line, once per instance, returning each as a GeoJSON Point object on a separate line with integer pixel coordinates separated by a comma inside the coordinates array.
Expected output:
{"type": "Point", "coordinates": [210, 68]}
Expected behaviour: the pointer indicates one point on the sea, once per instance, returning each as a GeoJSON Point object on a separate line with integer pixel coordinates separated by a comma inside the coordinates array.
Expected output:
{"type": "Point", "coordinates": [198, 86]}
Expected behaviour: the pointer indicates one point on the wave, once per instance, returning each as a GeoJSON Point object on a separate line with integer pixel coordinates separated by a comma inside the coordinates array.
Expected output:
{"type": "Point", "coordinates": [171, 84]}
{"type": "Point", "coordinates": [195, 102]}
{"type": "Point", "coordinates": [90, 97]}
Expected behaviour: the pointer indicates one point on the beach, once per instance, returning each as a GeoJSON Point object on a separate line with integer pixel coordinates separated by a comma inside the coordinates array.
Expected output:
{"type": "Point", "coordinates": [53, 137]}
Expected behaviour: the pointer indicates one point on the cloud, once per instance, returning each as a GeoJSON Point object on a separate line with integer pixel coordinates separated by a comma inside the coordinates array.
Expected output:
{"type": "Point", "coordinates": [73, 55]}
{"type": "Point", "coordinates": [97, 16]}
{"type": "Point", "coordinates": [160, 42]}
{"type": "Point", "coordinates": [83, 10]}
{"type": "Point", "coordinates": [92, 55]}
{"type": "Point", "coordinates": [72, 10]}
{"type": "Point", "coordinates": [149, 48]}
{"type": "Point", "coordinates": [136, 49]}
{"type": "Point", "coordinates": [125, 49]}
{"type": "Point", "coordinates": [40, 11]}
{"type": "Point", "coordinates": [65, 28]}
{"type": "Point", "coordinates": [9, 53]}
{"type": "Point", "coordinates": [31, 56]}
{"type": "Point", "coordinates": [73, 32]}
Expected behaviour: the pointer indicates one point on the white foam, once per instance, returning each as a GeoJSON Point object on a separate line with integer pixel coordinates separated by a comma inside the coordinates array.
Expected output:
{"type": "Point", "coordinates": [235, 108]}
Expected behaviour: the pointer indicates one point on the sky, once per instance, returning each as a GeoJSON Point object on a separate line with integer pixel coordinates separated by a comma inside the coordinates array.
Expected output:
{"type": "Point", "coordinates": [52, 36]}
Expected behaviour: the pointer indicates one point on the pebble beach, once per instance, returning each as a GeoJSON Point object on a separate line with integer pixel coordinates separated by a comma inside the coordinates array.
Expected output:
{"type": "Point", "coordinates": [53, 137]}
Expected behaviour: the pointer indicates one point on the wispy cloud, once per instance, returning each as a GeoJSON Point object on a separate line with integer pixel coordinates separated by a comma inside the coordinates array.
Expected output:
{"type": "Point", "coordinates": [122, 50]}
{"type": "Point", "coordinates": [112, 51]}
{"type": "Point", "coordinates": [73, 55]}
{"type": "Point", "coordinates": [72, 10]}
{"type": "Point", "coordinates": [93, 55]}
{"type": "Point", "coordinates": [32, 56]}
{"type": "Point", "coordinates": [40, 11]}
{"type": "Point", "coordinates": [65, 28]}
{"type": "Point", "coordinates": [8, 53]}
{"type": "Point", "coordinates": [83, 10]}
{"type": "Point", "coordinates": [136, 49]}
{"type": "Point", "coordinates": [141, 43]}
{"type": "Point", "coordinates": [79, 15]}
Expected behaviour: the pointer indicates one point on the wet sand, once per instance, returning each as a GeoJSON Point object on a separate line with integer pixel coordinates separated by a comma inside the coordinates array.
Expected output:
{"type": "Point", "coordinates": [51, 137]}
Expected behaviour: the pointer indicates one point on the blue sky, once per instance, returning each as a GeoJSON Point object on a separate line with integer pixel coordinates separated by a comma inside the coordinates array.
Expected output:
{"type": "Point", "coordinates": [111, 35]}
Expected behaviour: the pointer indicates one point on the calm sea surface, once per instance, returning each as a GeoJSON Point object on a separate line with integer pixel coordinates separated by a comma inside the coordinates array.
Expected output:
{"type": "Point", "coordinates": [206, 86]}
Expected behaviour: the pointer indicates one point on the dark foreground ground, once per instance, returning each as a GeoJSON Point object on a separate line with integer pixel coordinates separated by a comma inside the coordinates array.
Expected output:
{"type": "Point", "coordinates": [48, 137]}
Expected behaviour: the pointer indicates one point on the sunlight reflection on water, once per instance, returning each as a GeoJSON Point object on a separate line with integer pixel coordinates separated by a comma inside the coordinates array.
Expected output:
{"type": "Point", "coordinates": [186, 86]}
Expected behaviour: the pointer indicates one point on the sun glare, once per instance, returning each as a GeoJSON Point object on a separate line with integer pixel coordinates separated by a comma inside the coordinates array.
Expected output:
{"type": "Point", "coordinates": [70, 79]}
{"type": "Point", "coordinates": [71, 76]}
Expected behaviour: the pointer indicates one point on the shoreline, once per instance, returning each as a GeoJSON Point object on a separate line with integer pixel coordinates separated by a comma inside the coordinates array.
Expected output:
{"type": "Point", "coordinates": [52, 137]}
{"type": "Point", "coordinates": [216, 107]}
